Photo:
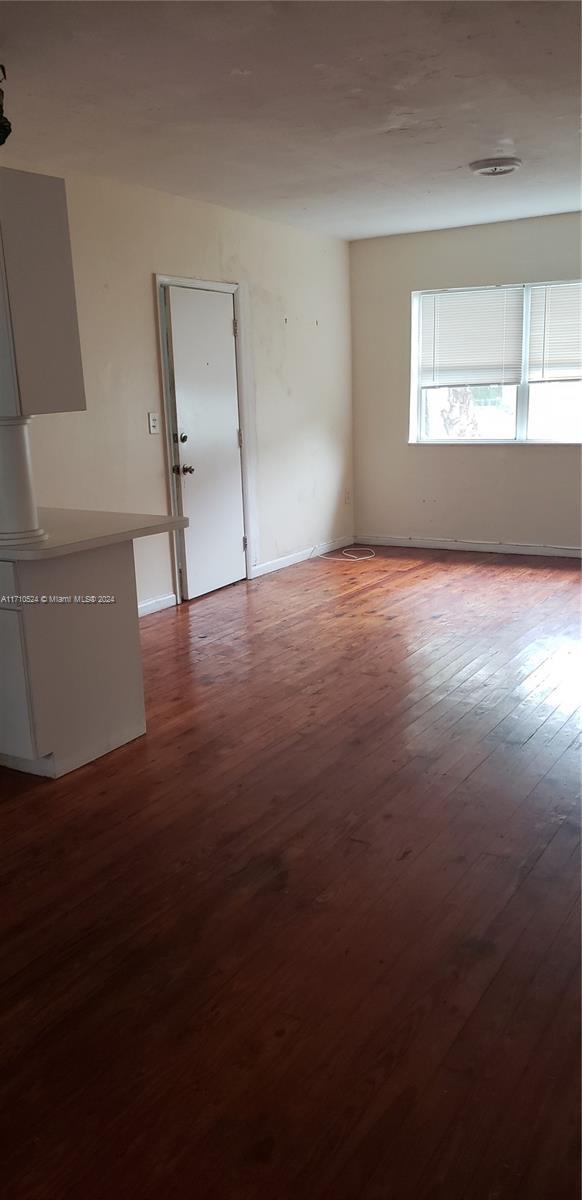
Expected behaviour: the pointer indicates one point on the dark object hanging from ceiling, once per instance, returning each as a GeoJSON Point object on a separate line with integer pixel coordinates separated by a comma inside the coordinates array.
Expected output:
{"type": "Point", "coordinates": [5, 126]}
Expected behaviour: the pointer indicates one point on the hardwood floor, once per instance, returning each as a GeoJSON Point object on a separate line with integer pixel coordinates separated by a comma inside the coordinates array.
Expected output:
{"type": "Point", "coordinates": [316, 937]}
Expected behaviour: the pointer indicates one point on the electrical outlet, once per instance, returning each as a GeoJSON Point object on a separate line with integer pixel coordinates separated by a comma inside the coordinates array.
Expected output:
{"type": "Point", "coordinates": [347, 496]}
{"type": "Point", "coordinates": [154, 422]}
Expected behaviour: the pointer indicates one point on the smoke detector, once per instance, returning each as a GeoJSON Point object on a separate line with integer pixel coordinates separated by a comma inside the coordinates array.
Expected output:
{"type": "Point", "coordinates": [505, 165]}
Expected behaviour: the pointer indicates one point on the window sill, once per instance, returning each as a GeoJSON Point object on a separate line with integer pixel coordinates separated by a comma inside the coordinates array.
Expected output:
{"type": "Point", "coordinates": [485, 442]}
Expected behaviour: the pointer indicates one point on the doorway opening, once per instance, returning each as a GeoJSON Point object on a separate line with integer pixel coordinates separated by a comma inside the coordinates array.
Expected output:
{"type": "Point", "coordinates": [210, 435]}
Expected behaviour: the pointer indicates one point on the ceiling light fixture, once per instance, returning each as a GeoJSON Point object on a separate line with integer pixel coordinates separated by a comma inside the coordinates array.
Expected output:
{"type": "Point", "coordinates": [504, 165]}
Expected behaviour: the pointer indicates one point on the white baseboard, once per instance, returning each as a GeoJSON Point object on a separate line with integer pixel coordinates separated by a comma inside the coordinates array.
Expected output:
{"type": "Point", "coordinates": [373, 539]}
{"type": "Point", "coordinates": [52, 766]}
{"type": "Point", "coordinates": [288, 560]}
{"type": "Point", "coordinates": [31, 766]}
{"type": "Point", "coordinates": [151, 606]}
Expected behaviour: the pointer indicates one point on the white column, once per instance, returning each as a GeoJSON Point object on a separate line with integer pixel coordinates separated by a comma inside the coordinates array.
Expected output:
{"type": "Point", "coordinates": [18, 515]}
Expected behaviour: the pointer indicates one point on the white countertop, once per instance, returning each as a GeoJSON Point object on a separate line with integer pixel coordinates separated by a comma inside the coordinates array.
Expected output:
{"type": "Point", "coordinates": [70, 530]}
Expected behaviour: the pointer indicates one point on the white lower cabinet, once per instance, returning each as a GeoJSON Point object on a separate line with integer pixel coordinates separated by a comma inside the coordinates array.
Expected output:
{"type": "Point", "coordinates": [71, 686]}
{"type": "Point", "coordinates": [70, 666]}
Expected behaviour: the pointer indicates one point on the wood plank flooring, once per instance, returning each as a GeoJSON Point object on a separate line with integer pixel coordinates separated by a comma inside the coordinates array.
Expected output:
{"type": "Point", "coordinates": [316, 937]}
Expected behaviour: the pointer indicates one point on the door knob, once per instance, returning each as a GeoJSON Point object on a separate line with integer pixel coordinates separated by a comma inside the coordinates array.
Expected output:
{"type": "Point", "coordinates": [183, 437]}
{"type": "Point", "coordinates": [187, 470]}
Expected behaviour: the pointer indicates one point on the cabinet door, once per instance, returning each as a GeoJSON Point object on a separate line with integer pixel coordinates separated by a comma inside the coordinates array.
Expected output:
{"type": "Point", "coordinates": [16, 726]}
{"type": "Point", "coordinates": [41, 292]}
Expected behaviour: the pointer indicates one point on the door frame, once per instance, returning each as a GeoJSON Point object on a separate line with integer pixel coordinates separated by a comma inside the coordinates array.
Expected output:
{"type": "Point", "coordinates": [246, 408]}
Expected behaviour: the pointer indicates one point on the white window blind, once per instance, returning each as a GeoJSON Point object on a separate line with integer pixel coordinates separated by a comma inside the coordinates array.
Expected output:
{"type": "Point", "coordinates": [471, 336]}
{"type": "Point", "coordinates": [556, 331]}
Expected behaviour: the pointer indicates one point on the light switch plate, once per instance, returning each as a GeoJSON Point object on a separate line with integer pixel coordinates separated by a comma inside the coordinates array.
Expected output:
{"type": "Point", "coordinates": [154, 422]}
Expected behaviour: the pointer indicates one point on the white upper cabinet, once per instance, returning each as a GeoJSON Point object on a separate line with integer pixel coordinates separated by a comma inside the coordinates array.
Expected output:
{"type": "Point", "coordinates": [40, 353]}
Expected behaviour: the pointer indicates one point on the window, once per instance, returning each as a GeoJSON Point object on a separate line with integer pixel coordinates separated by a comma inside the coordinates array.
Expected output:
{"type": "Point", "coordinates": [497, 364]}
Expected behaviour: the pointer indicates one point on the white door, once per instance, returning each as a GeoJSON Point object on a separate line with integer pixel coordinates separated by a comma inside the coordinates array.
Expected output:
{"type": "Point", "coordinates": [207, 459]}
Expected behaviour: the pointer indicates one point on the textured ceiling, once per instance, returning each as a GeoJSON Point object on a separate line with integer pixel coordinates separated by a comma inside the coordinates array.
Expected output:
{"type": "Point", "coordinates": [353, 118]}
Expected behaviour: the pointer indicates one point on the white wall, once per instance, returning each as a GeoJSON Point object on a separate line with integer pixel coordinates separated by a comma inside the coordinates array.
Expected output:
{"type": "Point", "coordinates": [522, 494]}
{"type": "Point", "coordinates": [300, 333]}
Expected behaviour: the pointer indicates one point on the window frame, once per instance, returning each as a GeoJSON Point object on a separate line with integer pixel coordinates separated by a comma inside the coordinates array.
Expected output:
{"type": "Point", "coordinates": [522, 388]}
